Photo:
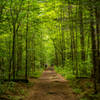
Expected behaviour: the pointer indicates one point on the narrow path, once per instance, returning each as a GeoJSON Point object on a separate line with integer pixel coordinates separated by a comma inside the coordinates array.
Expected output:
{"type": "Point", "coordinates": [51, 86]}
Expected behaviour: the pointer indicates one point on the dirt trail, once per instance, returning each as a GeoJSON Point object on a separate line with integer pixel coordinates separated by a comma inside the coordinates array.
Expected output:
{"type": "Point", "coordinates": [51, 86]}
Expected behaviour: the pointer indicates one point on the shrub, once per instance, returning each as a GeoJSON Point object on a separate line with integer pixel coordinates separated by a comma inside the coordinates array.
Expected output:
{"type": "Point", "coordinates": [77, 90]}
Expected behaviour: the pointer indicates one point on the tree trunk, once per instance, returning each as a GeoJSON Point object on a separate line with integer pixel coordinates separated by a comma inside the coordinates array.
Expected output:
{"type": "Point", "coordinates": [81, 30]}
{"type": "Point", "coordinates": [97, 12]}
{"type": "Point", "coordinates": [13, 51]}
{"type": "Point", "coordinates": [94, 51]}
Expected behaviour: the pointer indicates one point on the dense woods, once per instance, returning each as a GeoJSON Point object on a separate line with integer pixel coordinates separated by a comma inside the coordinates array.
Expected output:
{"type": "Point", "coordinates": [65, 33]}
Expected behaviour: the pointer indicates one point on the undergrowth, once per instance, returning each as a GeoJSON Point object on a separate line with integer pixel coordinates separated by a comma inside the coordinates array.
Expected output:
{"type": "Point", "coordinates": [67, 73]}
{"type": "Point", "coordinates": [36, 74]}
{"type": "Point", "coordinates": [17, 90]}
{"type": "Point", "coordinates": [83, 88]}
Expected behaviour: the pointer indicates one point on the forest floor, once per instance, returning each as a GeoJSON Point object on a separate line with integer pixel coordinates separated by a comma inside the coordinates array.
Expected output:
{"type": "Point", "coordinates": [50, 86]}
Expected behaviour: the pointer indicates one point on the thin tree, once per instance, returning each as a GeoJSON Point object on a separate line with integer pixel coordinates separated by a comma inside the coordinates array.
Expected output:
{"type": "Point", "coordinates": [27, 29]}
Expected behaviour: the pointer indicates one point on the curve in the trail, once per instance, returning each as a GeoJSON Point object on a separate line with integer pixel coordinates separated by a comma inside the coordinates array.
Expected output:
{"type": "Point", "coordinates": [51, 86]}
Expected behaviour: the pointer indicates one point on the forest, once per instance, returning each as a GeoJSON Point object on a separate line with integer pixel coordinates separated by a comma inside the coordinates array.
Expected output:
{"type": "Point", "coordinates": [62, 34]}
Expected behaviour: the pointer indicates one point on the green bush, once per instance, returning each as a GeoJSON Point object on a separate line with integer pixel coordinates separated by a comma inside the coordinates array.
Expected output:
{"type": "Point", "coordinates": [88, 84]}
{"type": "Point", "coordinates": [84, 99]}
{"type": "Point", "coordinates": [15, 97]}
{"type": "Point", "coordinates": [29, 84]}
{"type": "Point", "coordinates": [22, 92]}
{"type": "Point", "coordinates": [77, 90]}
{"type": "Point", "coordinates": [10, 86]}
{"type": "Point", "coordinates": [2, 89]}
{"type": "Point", "coordinates": [65, 72]}
{"type": "Point", "coordinates": [36, 74]}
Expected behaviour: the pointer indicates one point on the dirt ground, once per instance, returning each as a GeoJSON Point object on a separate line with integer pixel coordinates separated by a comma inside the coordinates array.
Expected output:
{"type": "Point", "coordinates": [51, 86]}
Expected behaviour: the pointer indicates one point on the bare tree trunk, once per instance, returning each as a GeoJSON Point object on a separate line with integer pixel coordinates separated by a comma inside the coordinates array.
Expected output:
{"type": "Point", "coordinates": [94, 51]}
{"type": "Point", "coordinates": [10, 62]}
{"type": "Point", "coordinates": [27, 29]}
{"type": "Point", "coordinates": [81, 30]}
{"type": "Point", "coordinates": [97, 12]}
{"type": "Point", "coordinates": [13, 51]}
{"type": "Point", "coordinates": [71, 35]}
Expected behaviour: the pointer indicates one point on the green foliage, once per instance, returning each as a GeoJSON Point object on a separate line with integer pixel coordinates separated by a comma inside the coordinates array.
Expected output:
{"type": "Point", "coordinates": [84, 99]}
{"type": "Point", "coordinates": [85, 68]}
{"type": "Point", "coordinates": [37, 73]}
{"type": "Point", "coordinates": [88, 84]}
{"type": "Point", "coordinates": [94, 96]}
{"type": "Point", "coordinates": [2, 89]}
{"type": "Point", "coordinates": [77, 90]}
{"type": "Point", "coordinates": [15, 97]}
{"type": "Point", "coordinates": [55, 32]}
{"type": "Point", "coordinates": [65, 72]}
{"type": "Point", "coordinates": [50, 36]}
{"type": "Point", "coordinates": [11, 87]}
{"type": "Point", "coordinates": [22, 91]}
{"type": "Point", "coordinates": [11, 84]}
{"type": "Point", "coordinates": [30, 84]}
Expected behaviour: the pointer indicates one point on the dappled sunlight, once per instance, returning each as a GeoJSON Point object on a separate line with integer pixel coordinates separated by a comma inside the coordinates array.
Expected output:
{"type": "Point", "coordinates": [59, 38]}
